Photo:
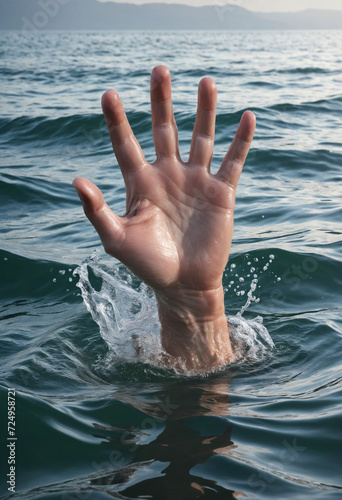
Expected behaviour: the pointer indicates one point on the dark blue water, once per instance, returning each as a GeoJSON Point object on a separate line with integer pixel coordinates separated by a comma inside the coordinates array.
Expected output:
{"type": "Point", "coordinates": [97, 415]}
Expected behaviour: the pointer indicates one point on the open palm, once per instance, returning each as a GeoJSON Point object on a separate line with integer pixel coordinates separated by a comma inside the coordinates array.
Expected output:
{"type": "Point", "coordinates": [177, 230]}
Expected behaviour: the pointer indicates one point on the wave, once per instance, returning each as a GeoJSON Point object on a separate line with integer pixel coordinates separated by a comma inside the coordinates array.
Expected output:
{"type": "Point", "coordinates": [92, 127]}
{"type": "Point", "coordinates": [331, 105]}
{"type": "Point", "coordinates": [213, 71]}
{"type": "Point", "coordinates": [300, 163]}
{"type": "Point", "coordinates": [62, 76]}
{"type": "Point", "coordinates": [45, 129]}
{"type": "Point", "coordinates": [81, 128]}
{"type": "Point", "coordinates": [300, 70]}
{"type": "Point", "coordinates": [294, 275]}
{"type": "Point", "coordinates": [123, 341]}
{"type": "Point", "coordinates": [28, 278]}
{"type": "Point", "coordinates": [34, 191]}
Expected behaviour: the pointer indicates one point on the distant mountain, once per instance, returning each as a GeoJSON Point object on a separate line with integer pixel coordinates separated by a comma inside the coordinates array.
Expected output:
{"type": "Point", "coordinates": [32, 15]}
{"type": "Point", "coordinates": [313, 19]}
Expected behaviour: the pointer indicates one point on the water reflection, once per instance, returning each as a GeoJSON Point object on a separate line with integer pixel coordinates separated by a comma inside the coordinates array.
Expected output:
{"type": "Point", "coordinates": [192, 433]}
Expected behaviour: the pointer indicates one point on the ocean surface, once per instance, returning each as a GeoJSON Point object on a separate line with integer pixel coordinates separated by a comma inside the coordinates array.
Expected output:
{"type": "Point", "coordinates": [97, 418]}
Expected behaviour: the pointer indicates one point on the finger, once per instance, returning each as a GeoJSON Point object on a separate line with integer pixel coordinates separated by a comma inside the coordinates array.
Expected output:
{"type": "Point", "coordinates": [126, 148]}
{"type": "Point", "coordinates": [234, 160]}
{"type": "Point", "coordinates": [108, 225]}
{"type": "Point", "coordinates": [165, 133]}
{"type": "Point", "coordinates": [202, 143]}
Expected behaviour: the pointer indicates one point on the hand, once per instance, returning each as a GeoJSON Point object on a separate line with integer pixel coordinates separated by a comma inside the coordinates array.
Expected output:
{"type": "Point", "coordinates": [177, 230]}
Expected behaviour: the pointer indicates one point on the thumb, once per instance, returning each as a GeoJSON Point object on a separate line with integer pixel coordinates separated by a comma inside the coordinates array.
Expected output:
{"type": "Point", "coordinates": [108, 225]}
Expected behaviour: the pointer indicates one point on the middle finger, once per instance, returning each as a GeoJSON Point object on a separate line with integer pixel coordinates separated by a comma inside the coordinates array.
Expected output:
{"type": "Point", "coordinates": [165, 134]}
{"type": "Point", "coordinates": [202, 143]}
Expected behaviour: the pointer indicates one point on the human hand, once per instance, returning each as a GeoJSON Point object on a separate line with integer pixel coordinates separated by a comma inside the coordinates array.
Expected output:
{"type": "Point", "coordinates": [177, 230]}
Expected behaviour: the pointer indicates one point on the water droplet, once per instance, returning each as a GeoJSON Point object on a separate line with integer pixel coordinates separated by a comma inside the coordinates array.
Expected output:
{"type": "Point", "coordinates": [278, 279]}
{"type": "Point", "coordinates": [62, 272]}
{"type": "Point", "coordinates": [271, 256]}
{"type": "Point", "coordinates": [232, 266]}
{"type": "Point", "coordinates": [241, 280]}
{"type": "Point", "coordinates": [54, 280]}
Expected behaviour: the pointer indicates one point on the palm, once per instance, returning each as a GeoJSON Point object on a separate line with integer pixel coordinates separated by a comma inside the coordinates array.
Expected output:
{"type": "Point", "coordinates": [178, 225]}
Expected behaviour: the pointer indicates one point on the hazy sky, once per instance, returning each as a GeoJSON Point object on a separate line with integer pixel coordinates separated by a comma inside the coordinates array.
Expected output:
{"type": "Point", "coordinates": [256, 5]}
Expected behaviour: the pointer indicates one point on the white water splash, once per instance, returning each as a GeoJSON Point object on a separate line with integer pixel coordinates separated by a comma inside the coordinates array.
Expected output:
{"type": "Point", "coordinates": [250, 338]}
{"type": "Point", "coordinates": [127, 317]}
{"type": "Point", "coordinates": [126, 313]}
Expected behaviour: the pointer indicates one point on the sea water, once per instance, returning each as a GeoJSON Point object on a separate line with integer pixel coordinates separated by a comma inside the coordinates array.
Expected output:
{"type": "Point", "coordinates": [97, 413]}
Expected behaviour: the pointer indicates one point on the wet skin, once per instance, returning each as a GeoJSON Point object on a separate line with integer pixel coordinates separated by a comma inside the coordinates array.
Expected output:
{"type": "Point", "coordinates": [177, 230]}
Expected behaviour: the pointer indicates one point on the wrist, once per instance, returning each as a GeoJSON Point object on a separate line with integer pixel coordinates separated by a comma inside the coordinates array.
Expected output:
{"type": "Point", "coordinates": [194, 328]}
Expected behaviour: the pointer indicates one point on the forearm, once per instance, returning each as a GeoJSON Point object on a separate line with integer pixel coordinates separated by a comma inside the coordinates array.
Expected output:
{"type": "Point", "coordinates": [194, 328]}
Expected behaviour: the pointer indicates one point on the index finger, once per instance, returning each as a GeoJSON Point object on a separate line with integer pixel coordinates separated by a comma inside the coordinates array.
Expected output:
{"type": "Point", "coordinates": [126, 147]}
